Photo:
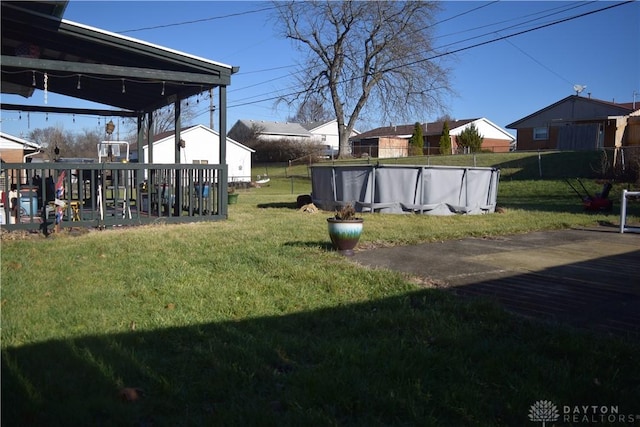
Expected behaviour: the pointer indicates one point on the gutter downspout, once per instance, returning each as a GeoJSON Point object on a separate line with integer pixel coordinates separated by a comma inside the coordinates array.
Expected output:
{"type": "Point", "coordinates": [24, 158]}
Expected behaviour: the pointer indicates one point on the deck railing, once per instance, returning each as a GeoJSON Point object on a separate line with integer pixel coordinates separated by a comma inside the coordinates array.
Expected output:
{"type": "Point", "coordinates": [44, 196]}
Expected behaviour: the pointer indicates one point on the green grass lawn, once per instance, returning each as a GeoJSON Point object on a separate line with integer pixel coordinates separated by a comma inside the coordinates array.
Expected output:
{"type": "Point", "coordinates": [256, 321]}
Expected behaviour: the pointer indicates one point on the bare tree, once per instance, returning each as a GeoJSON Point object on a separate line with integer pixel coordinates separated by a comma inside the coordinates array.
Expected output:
{"type": "Point", "coordinates": [163, 120]}
{"type": "Point", "coordinates": [86, 144]}
{"type": "Point", "coordinates": [373, 54]}
{"type": "Point", "coordinates": [68, 144]}
{"type": "Point", "coordinates": [51, 138]}
{"type": "Point", "coordinates": [249, 136]}
{"type": "Point", "coordinates": [312, 109]}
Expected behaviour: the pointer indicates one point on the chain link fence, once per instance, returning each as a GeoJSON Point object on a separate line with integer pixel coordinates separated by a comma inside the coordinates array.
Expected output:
{"type": "Point", "coordinates": [621, 165]}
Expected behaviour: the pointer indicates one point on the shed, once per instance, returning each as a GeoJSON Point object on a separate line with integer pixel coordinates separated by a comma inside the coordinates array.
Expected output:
{"type": "Point", "coordinates": [202, 146]}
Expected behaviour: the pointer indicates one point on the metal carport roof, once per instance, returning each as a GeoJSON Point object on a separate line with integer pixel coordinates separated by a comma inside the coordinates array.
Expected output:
{"type": "Point", "coordinates": [95, 65]}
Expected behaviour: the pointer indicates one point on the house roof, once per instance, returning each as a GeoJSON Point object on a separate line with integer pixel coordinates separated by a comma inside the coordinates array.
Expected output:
{"type": "Point", "coordinates": [310, 126]}
{"type": "Point", "coordinates": [96, 65]}
{"type": "Point", "coordinates": [277, 128]}
{"type": "Point", "coordinates": [405, 131]}
{"type": "Point", "coordinates": [29, 145]}
{"type": "Point", "coordinates": [571, 108]}
{"type": "Point", "coordinates": [163, 135]}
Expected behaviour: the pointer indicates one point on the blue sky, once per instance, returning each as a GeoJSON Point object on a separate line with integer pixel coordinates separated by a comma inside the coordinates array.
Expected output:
{"type": "Point", "coordinates": [502, 80]}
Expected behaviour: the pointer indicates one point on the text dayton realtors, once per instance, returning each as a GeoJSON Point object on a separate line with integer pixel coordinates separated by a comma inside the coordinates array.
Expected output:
{"type": "Point", "coordinates": [596, 414]}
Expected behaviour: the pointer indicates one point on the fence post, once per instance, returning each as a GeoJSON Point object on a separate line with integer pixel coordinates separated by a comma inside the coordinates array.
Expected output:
{"type": "Point", "coordinates": [623, 212]}
{"type": "Point", "coordinates": [539, 164]}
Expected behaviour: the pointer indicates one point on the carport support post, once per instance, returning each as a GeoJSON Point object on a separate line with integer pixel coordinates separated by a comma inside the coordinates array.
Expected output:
{"type": "Point", "coordinates": [140, 144]}
{"type": "Point", "coordinates": [223, 179]}
{"type": "Point", "coordinates": [177, 204]}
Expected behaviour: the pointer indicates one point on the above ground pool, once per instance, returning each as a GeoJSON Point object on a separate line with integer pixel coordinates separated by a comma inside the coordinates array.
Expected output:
{"type": "Point", "coordinates": [432, 190]}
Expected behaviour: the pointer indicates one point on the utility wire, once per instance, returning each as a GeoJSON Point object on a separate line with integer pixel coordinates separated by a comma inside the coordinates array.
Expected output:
{"type": "Point", "coordinates": [535, 60]}
{"type": "Point", "coordinates": [231, 15]}
{"type": "Point", "coordinates": [421, 55]}
{"type": "Point", "coordinates": [560, 21]}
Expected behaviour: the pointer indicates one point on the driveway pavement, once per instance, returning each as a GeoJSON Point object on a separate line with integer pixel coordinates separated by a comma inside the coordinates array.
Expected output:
{"type": "Point", "coordinates": [588, 278]}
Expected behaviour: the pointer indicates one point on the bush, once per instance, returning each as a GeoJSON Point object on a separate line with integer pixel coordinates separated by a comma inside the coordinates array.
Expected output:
{"type": "Point", "coordinates": [470, 140]}
{"type": "Point", "coordinates": [445, 139]}
{"type": "Point", "coordinates": [283, 150]}
{"type": "Point", "coordinates": [623, 166]}
{"type": "Point", "coordinates": [416, 143]}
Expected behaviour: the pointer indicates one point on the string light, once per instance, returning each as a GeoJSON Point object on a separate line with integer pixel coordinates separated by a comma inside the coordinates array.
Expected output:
{"type": "Point", "coordinates": [123, 81]}
{"type": "Point", "coordinates": [46, 87]}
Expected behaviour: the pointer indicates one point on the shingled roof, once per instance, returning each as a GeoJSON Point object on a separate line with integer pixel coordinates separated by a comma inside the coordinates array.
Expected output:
{"type": "Point", "coordinates": [574, 107]}
{"type": "Point", "coordinates": [405, 131]}
{"type": "Point", "coordinates": [276, 128]}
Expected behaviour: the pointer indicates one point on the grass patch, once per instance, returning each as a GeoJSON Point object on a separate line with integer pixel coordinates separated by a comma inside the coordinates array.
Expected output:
{"type": "Point", "coordinates": [254, 321]}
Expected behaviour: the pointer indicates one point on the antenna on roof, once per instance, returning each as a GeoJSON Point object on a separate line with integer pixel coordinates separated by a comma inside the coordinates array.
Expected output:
{"type": "Point", "coordinates": [579, 88]}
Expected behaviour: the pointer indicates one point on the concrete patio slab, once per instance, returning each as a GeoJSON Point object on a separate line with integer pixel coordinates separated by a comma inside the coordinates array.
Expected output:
{"type": "Point", "coordinates": [588, 278]}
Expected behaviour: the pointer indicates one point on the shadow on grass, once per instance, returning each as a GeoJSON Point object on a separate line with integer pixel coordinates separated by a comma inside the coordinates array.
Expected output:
{"type": "Point", "coordinates": [278, 205]}
{"type": "Point", "coordinates": [556, 165]}
{"type": "Point", "coordinates": [322, 244]}
{"type": "Point", "coordinates": [415, 359]}
{"type": "Point", "coordinates": [566, 205]}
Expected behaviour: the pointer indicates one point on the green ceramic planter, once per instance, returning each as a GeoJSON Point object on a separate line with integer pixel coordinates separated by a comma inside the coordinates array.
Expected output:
{"type": "Point", "coordinates": [345, 234]}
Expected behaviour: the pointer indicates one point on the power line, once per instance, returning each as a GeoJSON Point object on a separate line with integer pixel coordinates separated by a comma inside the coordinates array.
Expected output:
{"type": "Point", "coordinates": [536, 61]}
{"type": "Point", "coordinates": [466, 12]}
{"type": "Point", "coordinates": [571, 18]}
{"type": "Point", "coordinates": [556, 9]}
{"type": "Point", "coordinates": [560, 21]}
{"type": "Point", "coordinates": [196, 21]}
{"type": "Point", "coordinates": [420, 55]}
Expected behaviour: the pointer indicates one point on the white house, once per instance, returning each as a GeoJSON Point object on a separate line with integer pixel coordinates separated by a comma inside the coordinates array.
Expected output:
{"type": "Point", "coordinates": [202, 146]}
{"type": "Point", "coordinates": [271, 131]}
{"type": "Point", "coordinates": [494, 138]}
{"type": "Point", "coordinates": [324, 133]}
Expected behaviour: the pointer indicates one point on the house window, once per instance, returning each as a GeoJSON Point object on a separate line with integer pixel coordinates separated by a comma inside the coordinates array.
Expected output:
{"type": "Point", "coordinates": [540, 133]}
{"type": "Point", "coordinates": [201, 162]}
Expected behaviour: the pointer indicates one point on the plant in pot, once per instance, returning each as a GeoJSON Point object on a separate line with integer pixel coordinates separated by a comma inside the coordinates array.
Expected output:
{"type": "Point", "coordinates": [232, 196]}
{"type": "Point", "coordinates": [345, 229]}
